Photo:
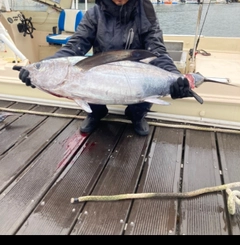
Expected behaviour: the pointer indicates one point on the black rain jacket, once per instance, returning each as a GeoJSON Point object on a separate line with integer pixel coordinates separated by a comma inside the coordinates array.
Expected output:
{"type": "Point", "coordinates": [106, 27]}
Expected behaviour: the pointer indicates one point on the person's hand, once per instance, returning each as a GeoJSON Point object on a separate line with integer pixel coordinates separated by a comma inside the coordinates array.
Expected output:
{"type": "Point", "coordinates": [24, 75]}
{"type": "Point", "coordinates": [180, 89]}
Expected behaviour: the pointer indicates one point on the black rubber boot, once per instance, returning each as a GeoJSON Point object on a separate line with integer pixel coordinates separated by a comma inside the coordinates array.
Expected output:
{"type": "Point", "coordinates": [141, 127]}
{"type": "Point", "coordinates": [136, 113]}
{"type": "Point", "coordinates": [92, 121]}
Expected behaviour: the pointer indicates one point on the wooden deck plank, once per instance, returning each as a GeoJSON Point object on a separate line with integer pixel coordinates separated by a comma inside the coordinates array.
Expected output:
{"type": "Point", "coordinates": [121, 175]}
{"type": "Point", "coordinates": [25, 193]}
{"type": "Point", "coordinates": [52, 162]}
{"type": "Point", "coordinates": [17, 158]}
{"type": "Point", "coordinates": [8, 120]}
{"type": "Point", "coordinates": [229, 150]}
{"type": "Point", "coordinates": [58, 215]}
{"type": "Point", "coordinates": [161, 174]}
{"type": "Point", "coordinates": [6, 103]}
{"type": "Point", "coordinates": [203, 215]}
{"type": "Point", "coordinates": [18, 129]}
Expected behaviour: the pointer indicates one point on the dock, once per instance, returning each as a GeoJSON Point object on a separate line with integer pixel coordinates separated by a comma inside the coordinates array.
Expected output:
{"type": "Point", "coordinates": [45, 161]}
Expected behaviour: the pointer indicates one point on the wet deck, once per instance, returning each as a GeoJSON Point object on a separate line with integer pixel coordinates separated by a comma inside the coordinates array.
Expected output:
{"type": "Point", "coordinates": [44, 162]}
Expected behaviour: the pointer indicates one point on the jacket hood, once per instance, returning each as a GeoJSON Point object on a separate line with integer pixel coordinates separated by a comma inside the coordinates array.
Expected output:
{"type": "Point", "coordinates": [124, 13]}
{"type": "Point", "coordinates": [143, 7]}
{"type": "Point", "coordinates": [98, 1]}
{"type": "Point", "coordinates": [110, 3]}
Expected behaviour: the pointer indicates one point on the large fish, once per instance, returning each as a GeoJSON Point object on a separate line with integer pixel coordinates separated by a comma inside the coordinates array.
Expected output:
{"type": "Point", "coordinates": [110, 78]}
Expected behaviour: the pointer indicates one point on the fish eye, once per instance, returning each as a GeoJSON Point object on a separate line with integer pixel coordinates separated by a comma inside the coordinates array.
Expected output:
{"type": "Point", "coordinates": [38, 66]}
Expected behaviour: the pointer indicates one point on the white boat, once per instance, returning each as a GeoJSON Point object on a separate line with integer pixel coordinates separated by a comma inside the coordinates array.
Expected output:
{"type": "Point", "coordinates": [223, 62]}
{"type": "Point", "coordinates": [45, 162]}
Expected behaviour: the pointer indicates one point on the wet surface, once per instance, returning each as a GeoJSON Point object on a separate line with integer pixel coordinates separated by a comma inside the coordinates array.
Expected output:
{"type": "Point", "coordinates": [45, 161]}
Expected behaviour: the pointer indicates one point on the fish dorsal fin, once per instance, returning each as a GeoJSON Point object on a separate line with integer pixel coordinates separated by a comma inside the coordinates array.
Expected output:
{"type": "Point", "coordinates": [113, 56]}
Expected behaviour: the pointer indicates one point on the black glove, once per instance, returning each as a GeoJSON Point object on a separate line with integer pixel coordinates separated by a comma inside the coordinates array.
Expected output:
{"type": "Point", "coordinates": [180, 89]}
{"type": "Point", "coordinates": [24, 75]}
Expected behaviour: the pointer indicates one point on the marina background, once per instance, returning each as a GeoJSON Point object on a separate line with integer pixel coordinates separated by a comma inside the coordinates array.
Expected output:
{"type": "Point", "coordinates": [217, 19]}
{"type": "Point", "coordinates": [222, 20]}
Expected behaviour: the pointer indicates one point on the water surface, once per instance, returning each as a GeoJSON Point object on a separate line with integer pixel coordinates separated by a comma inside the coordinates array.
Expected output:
{"type": "Point", "coordinates": [217, 19]}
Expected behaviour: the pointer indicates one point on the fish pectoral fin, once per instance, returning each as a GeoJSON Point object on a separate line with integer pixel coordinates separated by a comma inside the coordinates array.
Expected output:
{"type": "Point", "coordinates": [156, 100]}
{"type": "Point", "coordinates": [84, 105]}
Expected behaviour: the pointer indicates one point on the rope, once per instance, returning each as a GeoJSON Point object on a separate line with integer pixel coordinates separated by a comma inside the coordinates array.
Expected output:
{"type": "Point", "coordinates": [203, 52]}
{"type": "Point", "coordinates": [158, 124]}
{"type": "Point", "coordinates": [233, 196]}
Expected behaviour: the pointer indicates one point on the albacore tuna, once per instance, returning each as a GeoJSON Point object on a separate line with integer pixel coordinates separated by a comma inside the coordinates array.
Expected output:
{"type": "Point", "coordinates": [110, 78]}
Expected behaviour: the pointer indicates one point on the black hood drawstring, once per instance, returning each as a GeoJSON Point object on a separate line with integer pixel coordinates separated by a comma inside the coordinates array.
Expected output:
{"type": "Point", "coordinates": [129, 38]}
{"type": "Point", "coordinates": [122, 15]}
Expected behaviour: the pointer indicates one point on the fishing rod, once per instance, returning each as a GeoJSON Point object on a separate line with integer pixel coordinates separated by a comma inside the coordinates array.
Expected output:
{"type": "Point", "coordinates": [192, 52]}
{"type": "Point", "coordinates": [203, 24]}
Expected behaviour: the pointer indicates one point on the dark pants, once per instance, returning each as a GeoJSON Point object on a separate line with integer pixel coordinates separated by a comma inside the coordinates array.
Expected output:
{"type": "Point", "coordinates": [134, 112]}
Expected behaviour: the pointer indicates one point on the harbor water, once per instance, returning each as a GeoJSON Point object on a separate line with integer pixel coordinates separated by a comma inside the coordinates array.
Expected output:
{"type": "Point", "coordinates": [216, 19]}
